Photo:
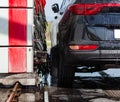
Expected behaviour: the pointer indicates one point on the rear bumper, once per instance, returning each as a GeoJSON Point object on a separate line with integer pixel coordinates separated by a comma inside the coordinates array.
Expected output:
{"type": "Point", "coordinates": [78, 58]}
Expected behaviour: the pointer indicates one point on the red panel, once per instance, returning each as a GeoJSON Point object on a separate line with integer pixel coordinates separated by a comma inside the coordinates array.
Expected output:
{"type": "Point", "coordinates": [17, 60]}
{"type": "Point", "coordinates": [17, 26]}
{"type": "Point", "coordinates": [17, 3]}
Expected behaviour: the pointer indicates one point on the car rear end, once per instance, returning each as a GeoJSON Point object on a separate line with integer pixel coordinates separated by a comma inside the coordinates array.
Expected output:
{"type": "Point", "coordinates": [95, 35]}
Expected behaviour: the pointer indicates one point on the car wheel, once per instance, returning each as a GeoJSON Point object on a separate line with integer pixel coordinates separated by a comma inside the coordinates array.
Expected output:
{"type": "Point", "coordinates": [54, 66]}
{"type": "Point", "coordinates": [65, 75]}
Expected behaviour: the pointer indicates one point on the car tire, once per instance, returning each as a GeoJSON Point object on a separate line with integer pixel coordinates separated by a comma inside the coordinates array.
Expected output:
{"type": "Point", "coordinates": [54, 65]}
{"type": "Point", "coordinates": [65, 75]}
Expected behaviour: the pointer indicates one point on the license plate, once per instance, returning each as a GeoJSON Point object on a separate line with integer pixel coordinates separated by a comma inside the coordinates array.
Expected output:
{"type": "Point", "coordinates": [117, 34]}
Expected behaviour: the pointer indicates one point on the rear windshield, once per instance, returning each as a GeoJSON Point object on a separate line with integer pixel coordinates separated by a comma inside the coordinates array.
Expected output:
{"type": "Point", "coordinates": [105, 25]}
{"type": "Point", "coordinates": [104, 19]}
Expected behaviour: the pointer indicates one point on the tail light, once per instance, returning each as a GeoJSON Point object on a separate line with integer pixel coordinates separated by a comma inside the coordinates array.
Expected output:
{"type": "Point", "coordinates": [90, 9]}
{"type": "Point", "coordinates": [83, 47]}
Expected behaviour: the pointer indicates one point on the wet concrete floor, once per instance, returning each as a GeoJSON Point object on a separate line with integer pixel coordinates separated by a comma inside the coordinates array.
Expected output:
{"type": "Point", "coordinates": [102, 86]}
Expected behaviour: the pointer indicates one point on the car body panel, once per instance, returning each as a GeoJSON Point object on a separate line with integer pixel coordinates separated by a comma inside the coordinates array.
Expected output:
{"type": "Point", "coordinates": [101, 29]}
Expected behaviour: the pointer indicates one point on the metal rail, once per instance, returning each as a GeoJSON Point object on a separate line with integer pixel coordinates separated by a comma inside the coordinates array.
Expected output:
{"type": "Point", "coordinates": [13, 97]}
{"type": "Point", "coordinates": [46, 96]}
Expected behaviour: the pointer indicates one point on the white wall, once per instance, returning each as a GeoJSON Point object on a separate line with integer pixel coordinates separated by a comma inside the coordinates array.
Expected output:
{"type": "Point", "coordinates": [49, 13]}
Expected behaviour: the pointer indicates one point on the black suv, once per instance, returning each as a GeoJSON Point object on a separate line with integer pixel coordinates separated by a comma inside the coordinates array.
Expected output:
{"type": "Point", "coordinates": [89, 35]}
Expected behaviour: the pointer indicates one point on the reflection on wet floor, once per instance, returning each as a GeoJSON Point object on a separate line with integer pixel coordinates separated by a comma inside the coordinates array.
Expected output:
{"type": "Point", "coordinates": [103, 86]}
{"type": "Point", "coordinates": [103, 79]}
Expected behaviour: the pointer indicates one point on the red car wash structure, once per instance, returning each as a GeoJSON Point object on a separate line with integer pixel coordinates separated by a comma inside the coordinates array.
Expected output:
{"type": "Point", "coordinates": [18, 30]}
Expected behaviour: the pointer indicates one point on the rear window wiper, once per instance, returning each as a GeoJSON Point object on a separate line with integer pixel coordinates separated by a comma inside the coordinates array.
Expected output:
{"type": "Point", "coordinates": [108, 26]}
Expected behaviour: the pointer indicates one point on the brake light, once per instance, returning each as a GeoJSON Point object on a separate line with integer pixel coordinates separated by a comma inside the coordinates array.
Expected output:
{"type": "Point", "coordinates": [90, 9]}
{"type": "Point", "coordinates": [83, 47]}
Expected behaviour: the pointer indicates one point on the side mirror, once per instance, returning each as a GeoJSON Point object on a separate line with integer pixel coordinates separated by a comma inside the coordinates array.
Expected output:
{"type": "Point", "coordinates": [55, 8]}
